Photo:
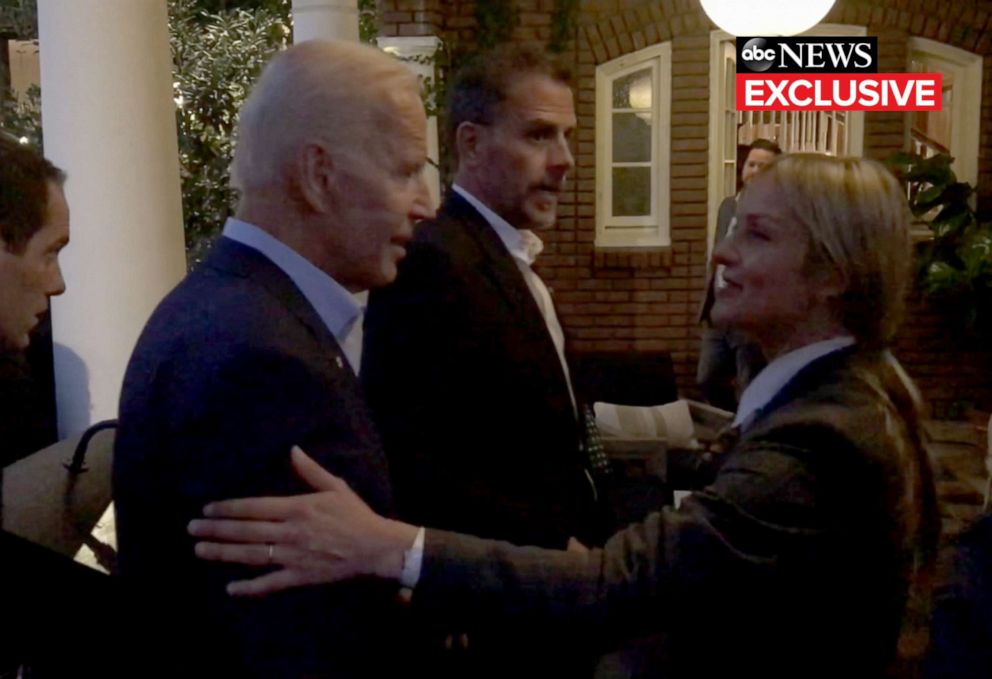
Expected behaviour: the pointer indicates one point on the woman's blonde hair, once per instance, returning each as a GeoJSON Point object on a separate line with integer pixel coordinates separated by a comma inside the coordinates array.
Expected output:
{"type": "Point", "coordinates": [857, 218]}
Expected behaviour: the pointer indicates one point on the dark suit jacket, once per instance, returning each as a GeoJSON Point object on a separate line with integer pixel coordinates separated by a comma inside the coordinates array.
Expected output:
{"type": "Point", "coordinates": [792, 562]}
{"type": "Point", "coordinates": [961, 628]}
{"type": "Point", "coordinates": [723, 216]}
{"type": "Point", "coordinates": [232, 369]}
{"type": "Point", "coordinates": [59, 616]}
{"type": "Point", "coordinates": [469, 394]}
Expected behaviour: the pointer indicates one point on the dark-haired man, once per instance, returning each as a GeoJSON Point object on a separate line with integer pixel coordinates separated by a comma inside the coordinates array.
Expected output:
{"type": "Point", "coordinates": [34, 227]}
{"type": "Point", "coordinates": [464, 363]}
{"type": "Point", "coordinates": [41, 590]}
{"type": "Point", "coordinates": [464, 360]}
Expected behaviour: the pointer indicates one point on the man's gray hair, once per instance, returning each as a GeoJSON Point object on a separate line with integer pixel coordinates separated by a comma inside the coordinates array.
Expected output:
{"type": "Point", "coordinates": [332, 93]}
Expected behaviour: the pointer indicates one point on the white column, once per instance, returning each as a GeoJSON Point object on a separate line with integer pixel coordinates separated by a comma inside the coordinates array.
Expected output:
{"type": "Point", "coordinates": [418, 53]}
{"type": "Point", "coordinates": [109, 121]}
{"type": "Point", "coordinates": [325, 20]}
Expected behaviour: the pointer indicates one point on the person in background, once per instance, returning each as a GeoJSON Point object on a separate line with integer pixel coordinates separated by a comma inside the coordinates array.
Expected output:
{"type": "Point", "coordinates": [728, 360]}
{"type": "Point", "coordinates": [796, 560]}
{"type": "Point", "coordinates": [961, 629]}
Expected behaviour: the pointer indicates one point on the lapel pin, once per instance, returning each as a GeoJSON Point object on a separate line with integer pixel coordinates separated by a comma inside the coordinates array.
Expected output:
{"type": "Point", "coordinates": [337, 359]}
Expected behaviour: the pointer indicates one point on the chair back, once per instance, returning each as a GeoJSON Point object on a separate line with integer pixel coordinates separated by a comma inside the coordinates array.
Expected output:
{"type": "Point", "coordinates": [56, 496]}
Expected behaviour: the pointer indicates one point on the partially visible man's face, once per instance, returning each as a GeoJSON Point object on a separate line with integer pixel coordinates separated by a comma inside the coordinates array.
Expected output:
{"type": "Point", "coordinates": [383, 194]}
{"type": "Point", "coordinates": [756, 160]}
{"type": "Point", "coordinates": [28, 278]}
{"type": "Point", "coordinates": [524, 153]}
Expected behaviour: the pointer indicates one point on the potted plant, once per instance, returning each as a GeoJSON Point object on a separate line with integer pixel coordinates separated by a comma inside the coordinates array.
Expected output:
{"type": "Point", "coordinates": [955, 255]}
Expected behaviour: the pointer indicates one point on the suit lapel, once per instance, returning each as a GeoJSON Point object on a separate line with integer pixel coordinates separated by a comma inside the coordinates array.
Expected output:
{"type": "Point", "coordinates": [806, 379]}
{"type": "Point", "coordinates": [232, 258]}
{"type": "Point", "coordinates": [499, 266]}
{"type": "Point", "coordinates": [497, 263]}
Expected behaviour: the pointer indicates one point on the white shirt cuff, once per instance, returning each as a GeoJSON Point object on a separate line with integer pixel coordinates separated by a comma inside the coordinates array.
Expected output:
{"type": "Point", "coordinates": [413, 558]}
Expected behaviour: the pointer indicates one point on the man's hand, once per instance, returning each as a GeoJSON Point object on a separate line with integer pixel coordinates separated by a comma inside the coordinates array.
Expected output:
{"type": "Point", "coordinates": [323, 537]}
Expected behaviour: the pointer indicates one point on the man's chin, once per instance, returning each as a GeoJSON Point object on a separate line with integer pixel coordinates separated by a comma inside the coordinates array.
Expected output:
{"type": "Point", "coordinates": [542, 219]}
{"type": "Point", "coordinates": [720, 318]}
{"type": "Point", "coordinates": [14, 345]}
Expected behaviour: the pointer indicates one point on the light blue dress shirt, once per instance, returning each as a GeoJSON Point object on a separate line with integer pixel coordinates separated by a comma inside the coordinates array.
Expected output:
{"type": "Point", "coordinates": [338, 309]}
{"type": "Point", "coordinates": [766, 385]}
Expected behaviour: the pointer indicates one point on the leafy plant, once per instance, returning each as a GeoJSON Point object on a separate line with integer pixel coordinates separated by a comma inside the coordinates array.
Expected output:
{"type": "Point", "coordinates": [368, 20]}
{"type": "Point", "coordinates": [496, 20]}
{"type": "Point", "coordinates": [955, 265]}
{"type": "Point", "coordinates": [19, 19]}
{"type": "Point", "coordinates": [21, 118]}
{"type": "Point", "coordinates": [564, 20]}
{"type": "Point", "coordinates": [216, 58]}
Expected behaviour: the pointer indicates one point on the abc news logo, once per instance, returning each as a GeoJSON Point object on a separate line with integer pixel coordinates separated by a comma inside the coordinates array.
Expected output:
{"type": "Point", "coordinates": [826, 74]}
{"type": "Point", "coordinates": [807, 55]}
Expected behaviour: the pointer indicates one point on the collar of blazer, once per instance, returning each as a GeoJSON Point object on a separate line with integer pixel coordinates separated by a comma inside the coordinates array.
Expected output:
{"type": "Point", "coordinates": [492, 260]}
{"type": "Point", "coordinates": [808, 378]}
{"type": "Point", "coordinates": [496, 261]}
{"type": "Point", "coordinates": [229, 257]}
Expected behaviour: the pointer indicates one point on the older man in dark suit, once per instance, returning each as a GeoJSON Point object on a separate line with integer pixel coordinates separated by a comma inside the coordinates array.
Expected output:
{"type": "Point", "coordinates": [254, 352]}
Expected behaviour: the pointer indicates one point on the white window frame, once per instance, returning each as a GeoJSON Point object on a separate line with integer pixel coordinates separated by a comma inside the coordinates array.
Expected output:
{"type": "Point", "coordinates": [967, 100]}
{"type": "Point", "coordinates": [716, 185]}
{"type": "Point", "coordinates": [653, 230]}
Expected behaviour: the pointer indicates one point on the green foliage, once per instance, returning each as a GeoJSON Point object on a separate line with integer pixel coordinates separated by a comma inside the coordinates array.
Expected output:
{"type": "Point", "coordinates": [217, 57]}
{"type": "Point", "coordinates": [19, 19]}
{"type": "Point", "coordinates": [564, 21]}
{"type": "Point", "coordinates": [368, 21]}
{"type": "Point", "coordinates": [218, 6]}
{"type": "Point", "coordinates": [22, 119]}
{"type": "Point", "coordinates": [955, 266]}
{"type": "Point", "coordinates": [496, 20]}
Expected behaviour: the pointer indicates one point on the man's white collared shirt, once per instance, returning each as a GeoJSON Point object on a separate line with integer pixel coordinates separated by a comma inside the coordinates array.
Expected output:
{"type": "Point", "coordinates": [525, 246]}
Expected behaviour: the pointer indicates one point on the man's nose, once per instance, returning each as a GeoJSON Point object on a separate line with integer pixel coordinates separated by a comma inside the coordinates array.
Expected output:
{"type": "Point", "coordinates": [560, 157]}
{"type": "Point", "coordinates": [423, 205]}
{"type": "Point", "coordinates": [57, 286]}
{"type": "Point", "coordinates": [725, 253]}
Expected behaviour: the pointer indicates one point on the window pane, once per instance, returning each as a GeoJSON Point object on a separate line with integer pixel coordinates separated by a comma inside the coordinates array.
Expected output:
{"type": "Point", "coordinates": [631, 138]}
{"type": "Point", "coordinates": [633, 90]}
{"type": "Point", "coordinates": [631, 191]}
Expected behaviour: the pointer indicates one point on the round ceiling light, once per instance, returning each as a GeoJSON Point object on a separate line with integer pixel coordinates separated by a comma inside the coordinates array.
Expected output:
{"type": "Point", "coordinates": [766, 17]}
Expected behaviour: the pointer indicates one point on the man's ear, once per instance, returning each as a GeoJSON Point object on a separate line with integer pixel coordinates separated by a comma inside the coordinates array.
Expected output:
{"type": "Point", "coordinates": [315, 177]}
{"type": "Point", "coordinates": [468, 142]}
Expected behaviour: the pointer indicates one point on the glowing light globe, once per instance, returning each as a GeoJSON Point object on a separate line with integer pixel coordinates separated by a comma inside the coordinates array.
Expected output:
{"type": "Point", "coordinates": [766, 17]}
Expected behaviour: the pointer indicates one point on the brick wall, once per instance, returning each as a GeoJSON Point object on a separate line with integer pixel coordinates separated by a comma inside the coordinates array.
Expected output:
{"type": "Point", "coordinates": [647, 300]}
